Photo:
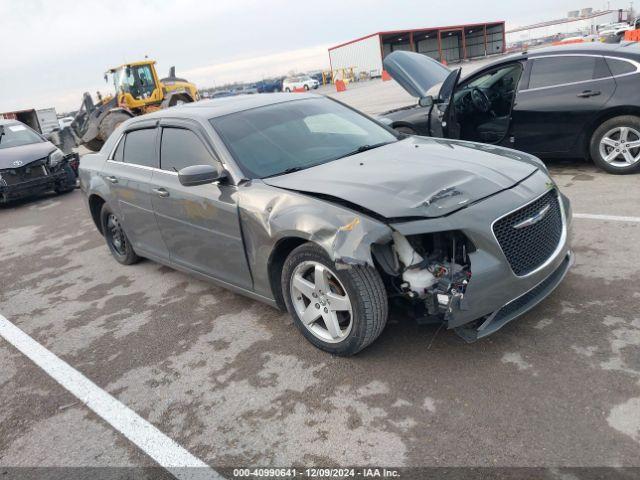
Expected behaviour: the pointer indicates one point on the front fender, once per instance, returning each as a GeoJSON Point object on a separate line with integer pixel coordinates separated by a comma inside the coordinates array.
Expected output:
{"type": "Point", "coordinates": [270, 214]}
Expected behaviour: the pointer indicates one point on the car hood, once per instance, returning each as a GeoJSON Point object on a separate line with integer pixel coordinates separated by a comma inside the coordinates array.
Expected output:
{"type": "Point", "coordinates": [414, 177]}
{"type": "Point", "coordinates": [24, 154]}
{"type": "Point", "coordinates": [418, 73]}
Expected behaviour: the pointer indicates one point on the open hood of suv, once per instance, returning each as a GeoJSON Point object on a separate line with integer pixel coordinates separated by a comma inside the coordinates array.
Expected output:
{"type": "Point", "coordinates": [418, 73]}
{"type": "Point", "coordinates": [414, 177]}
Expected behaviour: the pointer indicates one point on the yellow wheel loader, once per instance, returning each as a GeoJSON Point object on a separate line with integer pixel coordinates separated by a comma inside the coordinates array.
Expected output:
{"type": "Point", "coordinates": [138, 90]}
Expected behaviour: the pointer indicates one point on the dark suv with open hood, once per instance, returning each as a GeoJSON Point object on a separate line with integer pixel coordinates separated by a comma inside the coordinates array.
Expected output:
{"type": "Point", "coordinates": [573, 101]}
{"type": "Point", "coordinates": [29, 164]}
{"type": "Point", "coordinates": [304, 203]}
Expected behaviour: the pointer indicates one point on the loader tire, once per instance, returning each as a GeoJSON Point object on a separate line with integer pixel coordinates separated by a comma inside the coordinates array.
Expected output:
{"type": "Point", "coordinates": [94, 145]}
{"type": "Point", "coordinates": [110, 123]}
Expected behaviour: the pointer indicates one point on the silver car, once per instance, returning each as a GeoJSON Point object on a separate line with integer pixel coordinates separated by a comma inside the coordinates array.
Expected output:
{"type": "Point", "coordinates": [306, 204]}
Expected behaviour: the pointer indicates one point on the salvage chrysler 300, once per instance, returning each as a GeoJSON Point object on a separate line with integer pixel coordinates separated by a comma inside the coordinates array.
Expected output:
{"type": "Point", "coordinates": [306, 204]}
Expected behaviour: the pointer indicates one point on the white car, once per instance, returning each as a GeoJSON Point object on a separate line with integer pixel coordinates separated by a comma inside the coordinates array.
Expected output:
{"type": "Point", "coordinates": [617, 30]}
{"type": "Point", "coordinates": [65, 122]}
{"type": "Point", "coordinates": [301, 81]}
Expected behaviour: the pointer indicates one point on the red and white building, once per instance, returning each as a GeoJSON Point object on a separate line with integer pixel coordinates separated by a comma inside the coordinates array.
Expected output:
{"type": "Point", "coordinates": [451, 44]}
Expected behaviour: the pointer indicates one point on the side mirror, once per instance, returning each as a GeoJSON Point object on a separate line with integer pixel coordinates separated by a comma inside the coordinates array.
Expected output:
{"type": "Point", "coordinates": [426, 101]}
{"type": "Point", "coordinates": [200, 175]}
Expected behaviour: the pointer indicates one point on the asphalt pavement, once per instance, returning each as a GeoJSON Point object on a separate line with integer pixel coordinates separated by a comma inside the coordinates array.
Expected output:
{"type": "Point", "coordinates": [233, 383]}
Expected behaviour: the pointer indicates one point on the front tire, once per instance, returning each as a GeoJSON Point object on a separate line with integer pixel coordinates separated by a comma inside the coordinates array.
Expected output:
{"type": "Point", "coordinates": [94, 145]}
{"type": "Point", "coordinates": [615, 145]}
{"type": "Point", "coordinates": [69, 182]}
{"type": "Point", "coordinates": [116, 239]}
{"type": "Point", "coordinates": [339, 311]}
{"type": "Point", "coordinates": [110, 123]}
{"type": "Point", "coordinates": [405, 130]}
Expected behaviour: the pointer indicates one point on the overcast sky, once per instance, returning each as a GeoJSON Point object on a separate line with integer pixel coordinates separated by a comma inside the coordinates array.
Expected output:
{"type": "Point", "coordinates": [53, 51]}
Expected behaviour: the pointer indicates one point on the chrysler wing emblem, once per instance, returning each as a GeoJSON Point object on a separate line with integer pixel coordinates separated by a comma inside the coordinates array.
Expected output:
{"type": "Point", "coordinates": [17, 163]}
{"type": "Point", "coordinates": [533, 220]}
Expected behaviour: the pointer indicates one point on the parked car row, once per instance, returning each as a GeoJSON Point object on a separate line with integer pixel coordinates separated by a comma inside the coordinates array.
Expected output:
{"type": "Point", "coordinates": [573, 101]}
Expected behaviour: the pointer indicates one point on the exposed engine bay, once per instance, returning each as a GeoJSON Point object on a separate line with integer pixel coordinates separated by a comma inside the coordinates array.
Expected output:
{"type": "Point", "coordinates": [432, 272]}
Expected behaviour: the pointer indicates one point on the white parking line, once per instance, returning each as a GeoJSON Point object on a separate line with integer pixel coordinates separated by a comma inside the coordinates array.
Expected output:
{"type": "Point", "coordinates": [614, 218]}
{"type": "Point", "coordinates": [167, 453]}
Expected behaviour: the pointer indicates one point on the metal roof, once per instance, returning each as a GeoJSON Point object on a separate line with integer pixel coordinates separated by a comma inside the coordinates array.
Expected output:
{"type": "Point", "coordinates": [412, 30]}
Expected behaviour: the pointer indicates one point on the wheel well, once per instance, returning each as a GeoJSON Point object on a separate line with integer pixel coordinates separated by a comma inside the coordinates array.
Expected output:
{"type": "Point", "coordinates": [95, 206]}
{"type": "Point", "coordinates": [404, 124]}
{"type": "Point", "coordinates": [278, 256]}
{"type": "Point", "coordinates": [180, 96]}
{"type": "Point", "coordinates": [603, 117]}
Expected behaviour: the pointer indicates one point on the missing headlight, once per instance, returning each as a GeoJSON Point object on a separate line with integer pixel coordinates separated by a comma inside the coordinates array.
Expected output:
{"type": "Point", "coordinates": [435, 268]}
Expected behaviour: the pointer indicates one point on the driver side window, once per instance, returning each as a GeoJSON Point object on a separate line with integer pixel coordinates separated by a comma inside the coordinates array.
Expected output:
{"type": "Point", "coordinates": [182, 148]}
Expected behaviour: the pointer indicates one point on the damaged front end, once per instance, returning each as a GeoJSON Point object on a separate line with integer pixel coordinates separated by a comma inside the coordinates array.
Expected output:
{"type": "Point", "coordinates": [430, 272]}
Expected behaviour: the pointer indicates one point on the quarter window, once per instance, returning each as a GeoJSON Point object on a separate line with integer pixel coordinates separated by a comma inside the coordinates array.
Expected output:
{"type": "Point", "coordinates": [182, 148]}
{"type": "Point", "coordinates": [548, 72]}
{"type": "Point", "coordinates": [139, 148]}
{"type": "Point", "coordinates": [620, 67]}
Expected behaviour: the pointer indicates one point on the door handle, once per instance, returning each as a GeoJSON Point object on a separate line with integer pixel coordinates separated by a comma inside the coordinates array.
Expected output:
{"type": "Point", "coordinates": [112, 179]}
{"type": "Point", "coordinates": [588, 93]}
{"type": "Point", "coordinates": [161, 192]}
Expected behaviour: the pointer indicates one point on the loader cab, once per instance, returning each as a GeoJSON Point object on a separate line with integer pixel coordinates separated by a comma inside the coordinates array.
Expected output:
{"type": "Point", "coordinates": [136, 84]}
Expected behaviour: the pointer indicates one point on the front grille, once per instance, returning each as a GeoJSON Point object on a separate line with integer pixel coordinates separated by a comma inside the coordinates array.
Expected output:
{"type": "Point", "coordinates": [529, 247]}
{"type": "Point", "coordinates": [32, 171]}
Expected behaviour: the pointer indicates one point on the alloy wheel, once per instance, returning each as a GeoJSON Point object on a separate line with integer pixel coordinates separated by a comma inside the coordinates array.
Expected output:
{"type": "Point", "coordinates": [321, 302]}
{"type": "Point", "coordinates": [620, 147]}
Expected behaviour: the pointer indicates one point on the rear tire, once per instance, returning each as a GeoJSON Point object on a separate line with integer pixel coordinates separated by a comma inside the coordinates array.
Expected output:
{"type": "Point", "coordinates": [611, 145]}
{"type": "Point", "coordinates": [359, 287]}
{"type": "Point", "coordinates": [110, 123]}
{"type": "Point", "coordinates": [116, 238]}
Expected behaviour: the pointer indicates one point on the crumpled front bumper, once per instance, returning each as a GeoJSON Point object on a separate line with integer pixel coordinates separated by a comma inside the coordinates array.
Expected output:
{"type": "Point", "coordinates": [31, 187]}
{"type": "Point", "coordinates": [495, 295]}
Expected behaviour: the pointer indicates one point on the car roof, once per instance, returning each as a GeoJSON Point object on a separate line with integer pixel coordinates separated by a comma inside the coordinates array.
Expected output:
{"type": "Point", "coordinates": [217, 107]}
{"type": "Point", "coordinates": [7, 121]}
{"type": "Point", "coordinates": [622, 49]}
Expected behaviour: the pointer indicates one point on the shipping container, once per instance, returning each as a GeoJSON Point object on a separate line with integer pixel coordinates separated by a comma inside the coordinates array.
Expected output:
{"type": "Point", "coordinates": [48, 120]}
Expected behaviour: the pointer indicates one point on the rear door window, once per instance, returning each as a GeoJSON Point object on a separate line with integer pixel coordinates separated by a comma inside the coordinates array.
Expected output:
{"type": "Point", "coordinates": [118, 155]}
{"type": "Point", "coordinates": [562, 70]}
{"type": "Point", "coordinates": [182, 148]}
{"type": "Point", "coordinates": [140, 148]}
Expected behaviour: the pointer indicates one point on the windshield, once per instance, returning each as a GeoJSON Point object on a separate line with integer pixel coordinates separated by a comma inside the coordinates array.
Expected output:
{"type": "Point", "coordinates": [136, 80]}
{"type": "Point", "coordinates": [16, 135]}
{"type": "Point", "coordinates": [295, 135]}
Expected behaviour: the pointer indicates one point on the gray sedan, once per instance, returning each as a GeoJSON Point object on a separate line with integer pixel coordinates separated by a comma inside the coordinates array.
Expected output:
{"type": "Point", "coordinates": [311, 206]}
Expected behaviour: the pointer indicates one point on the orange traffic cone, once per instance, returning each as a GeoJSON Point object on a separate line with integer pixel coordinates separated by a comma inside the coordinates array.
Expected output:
{"type": "Point", "coordinates": [385, 76]}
